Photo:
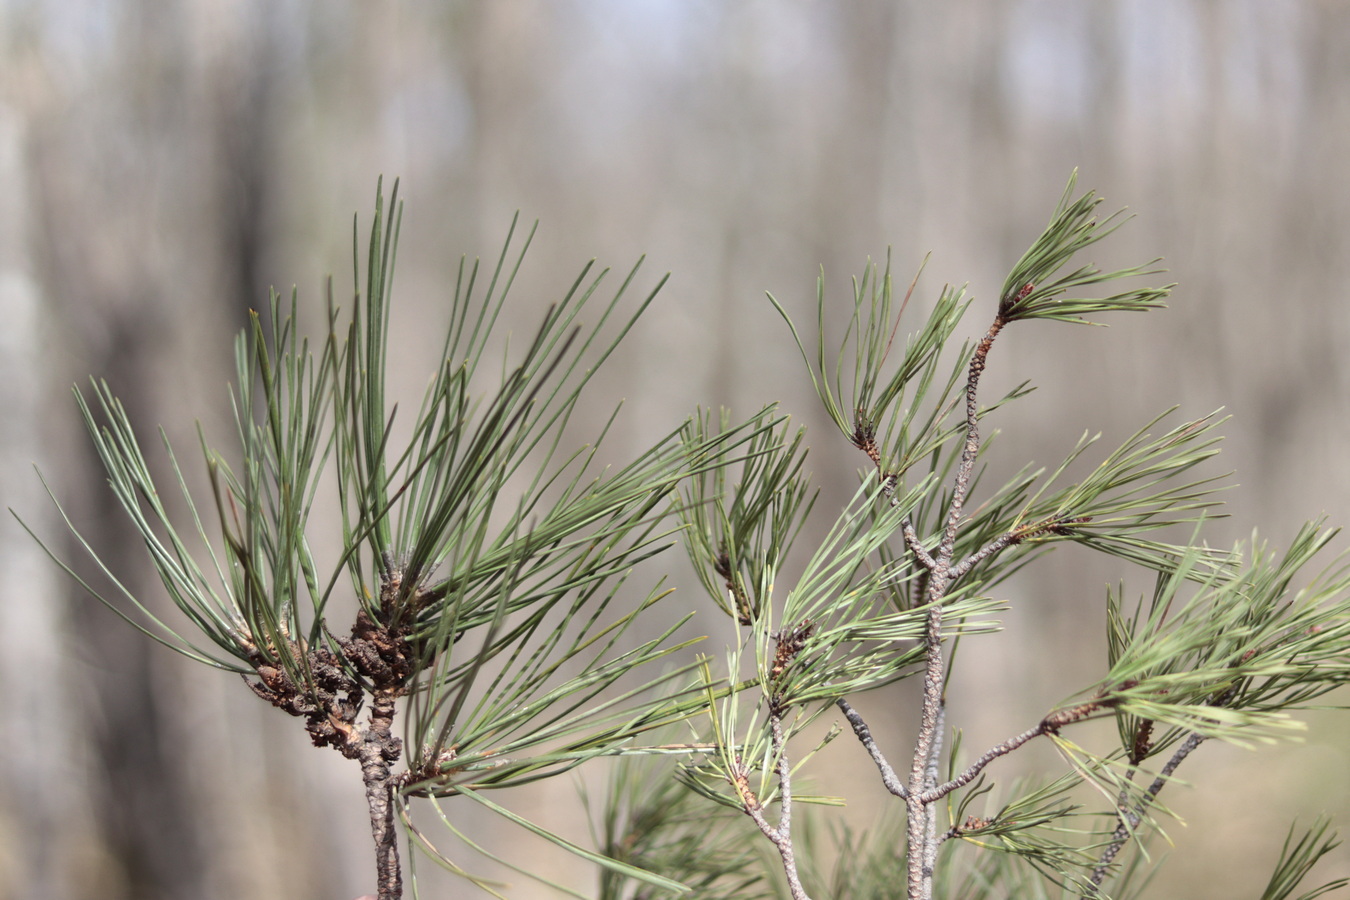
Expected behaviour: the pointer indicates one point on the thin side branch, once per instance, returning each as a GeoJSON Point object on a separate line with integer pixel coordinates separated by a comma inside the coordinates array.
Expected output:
{"type": "Point", "coordinates": [1130, 818]}
{"type": "Point", "coordinates": [973, 770]}
{"type": "Point", "coordinates": [1049, 725]}
{"type": "Point", "coordinates": [888, 776]}
{"type": "Point", "coordinates": [1054, 525]}
{"type": "Point", "coordinates": [998, 544]}
{"type": "Point", "coordinates": [781, 837]}
{"type": "Point", "coordinates": [915, 547]}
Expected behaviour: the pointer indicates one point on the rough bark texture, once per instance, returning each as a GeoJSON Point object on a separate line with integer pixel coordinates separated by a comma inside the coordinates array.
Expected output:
{"type": "Point", "coordinates": [377, 751]}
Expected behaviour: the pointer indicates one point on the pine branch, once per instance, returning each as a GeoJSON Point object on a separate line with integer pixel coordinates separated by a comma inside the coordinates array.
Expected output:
{"type": "Point", "coordinates": [922, 836]}
{"type": "Point", "coordinates": [781, 835]}
{"type": "Point", "coordinates": [889, 779]}
{"type": "Point", "coordinates": [1130, 818]}
{"type": "Point", "coordinates": [377, 751]}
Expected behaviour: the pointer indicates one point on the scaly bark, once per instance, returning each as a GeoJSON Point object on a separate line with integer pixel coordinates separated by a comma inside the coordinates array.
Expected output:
{"type": "Point", "coordinates": [377, 750]}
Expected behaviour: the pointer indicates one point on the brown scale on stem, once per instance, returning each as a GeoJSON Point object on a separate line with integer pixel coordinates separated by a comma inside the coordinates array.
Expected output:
{"type": "Point", "coordinates": [726, 570]}
{"type": "Point", "coordinates": [974, 823]}
{"type": "Point", "coordinates": [329, 705]}
{"type": "Point", "coordinates": [789, 645]}
{"type": "Point", "coordinates": [379, 652]}
{"type": "Point", "coordinates": [865, 439]}
{"type": "Point", "coordinates": [1052, 723]}
{"type": "Point", "coordinates": [1005, 309]}
{"type": "Point", "coordinates": [741, 783]}
{"type": "Point", "coordinates": [1143, 742]}
{"type": "Point", "coordinates": [1056, 525]}
{"type": "Point", "coordinates": [331, 697]}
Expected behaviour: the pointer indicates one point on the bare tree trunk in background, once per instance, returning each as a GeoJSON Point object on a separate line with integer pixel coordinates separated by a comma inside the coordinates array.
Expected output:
{"type": "Point", "coordinates": [149, 228]}
{"type": "Point", "coordinates": [37, 783]}
{"type": "Point", "coordinates": [141, 807]}
{"type": "Point", "coordinates": [241, 96]}
{"type": "Point", "coordinates": [142, 840]}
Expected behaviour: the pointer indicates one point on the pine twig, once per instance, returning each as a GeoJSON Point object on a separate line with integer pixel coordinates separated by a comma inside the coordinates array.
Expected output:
{"type": "Point", "coordinates": [1130, 819]}
{"type": "Point", "coordinates": [1053, 525]}
{"type": "Point", "coordinates": [925, 559]}
{"type": "Point", "coordinates": [1049, 725]}
{"type": "Point", "coordinates": [781, 837]}
{"type": "Point", "coordinates": [888, 777]}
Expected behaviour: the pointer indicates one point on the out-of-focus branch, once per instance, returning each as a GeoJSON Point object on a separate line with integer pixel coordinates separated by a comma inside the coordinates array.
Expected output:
{"type": "Point", "coordinates": [1130, 818]}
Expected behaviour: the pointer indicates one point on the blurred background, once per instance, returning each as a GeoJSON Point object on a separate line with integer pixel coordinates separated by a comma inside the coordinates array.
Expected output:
{"type": "Point", "coordinates": [164, 164]}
